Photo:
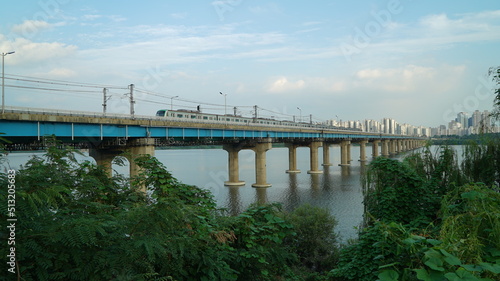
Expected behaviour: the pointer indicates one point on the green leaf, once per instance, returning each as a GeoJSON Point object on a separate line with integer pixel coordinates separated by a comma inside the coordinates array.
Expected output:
{"type": "Point", "coordinates": [450, 259]}
{"type": "Point", "coordinates": [434, 242]}
{"type": "Point", "coordinates": [472, 267]}
{"type": "Point", "coordinates": [422, 274]}
{"type": "Point", "coordinates": [388, 275]}
{"type": "Point", "coordinates": [435, 263]}
{"type": "Point", "coordinates": [461, 275]}
{"type": "Point", "coordinates": [472, 195]}
{"type": "Point", "coordinates": [495, 268]}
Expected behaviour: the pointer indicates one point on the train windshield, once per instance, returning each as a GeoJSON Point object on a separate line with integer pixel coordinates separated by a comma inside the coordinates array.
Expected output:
{"type": "Point", "coordinates": [160, 113]}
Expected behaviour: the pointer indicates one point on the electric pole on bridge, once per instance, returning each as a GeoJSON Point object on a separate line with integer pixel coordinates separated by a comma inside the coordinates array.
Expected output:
{"type": "Point", "coordinates": [132, 112]}
{"type": "Point", "coordinates": [105, 99]}
{"type": "Point", "coordinates": [3, 79]}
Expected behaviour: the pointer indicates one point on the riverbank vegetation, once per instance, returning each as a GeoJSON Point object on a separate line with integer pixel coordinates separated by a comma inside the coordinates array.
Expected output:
{"type": "Point", "coordinates": [427, 217]}
{"type": "Point", "coordinates": [76, 223]}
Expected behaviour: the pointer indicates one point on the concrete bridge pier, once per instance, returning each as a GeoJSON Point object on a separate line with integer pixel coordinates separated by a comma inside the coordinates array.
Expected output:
{"type": "Point", "coordinates": [138, 147]}
{"type": "Point", "coordinates": [233, 162]}
{"type": "Point", "coordinates": [104, 158]}
{"type": "Point", "coordinates": [104, 155]}
{"type": "Point", "coordinates": [314, 157]}
{"type": "Point", "coordinates": [385, 148]}
{"type": "Point", "coordinates": [392, 147]}
{"type": "Point", "coordinates": [375, 148]}
{"type": "Point", "coordinates": [362, 150]}
{"type": "Point", "coordinates": [349, 159]}
{"type": "Point", "coordinates": [326, 154]}
{"type": "Point", "coordinates": [345, 147]}
{"type": "Point", "coordinates": [292, 158]}
{"type": "Point", "coordinates": [260, 164]}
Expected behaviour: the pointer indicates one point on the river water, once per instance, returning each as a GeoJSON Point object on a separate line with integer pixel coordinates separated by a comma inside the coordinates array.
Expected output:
{"type": "Point", "coordinates": [338, 189]}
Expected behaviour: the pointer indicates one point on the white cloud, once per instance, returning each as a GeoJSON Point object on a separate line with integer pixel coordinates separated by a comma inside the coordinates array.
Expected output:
{"type": "Point", "coordinates": [440, 21]}
{"type": "Point", "coordinates": [410, 78]}
{"type": "Point", "coordinates": [30, 52]}
{"type": "Point", "coordinates": [62, 73]}
{"type": "Point", "coordinates": [91, 17]}
{"type": "Point", "coordinates": [178, 15]}
{"type": "Point", "coordinates": [31, 27]}
{"type": "Point", "coordinates": [283, 85]}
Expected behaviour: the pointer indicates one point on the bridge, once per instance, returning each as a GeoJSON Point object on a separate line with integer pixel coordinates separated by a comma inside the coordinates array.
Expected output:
{"type": "Point", "coordinates": [109, 135]}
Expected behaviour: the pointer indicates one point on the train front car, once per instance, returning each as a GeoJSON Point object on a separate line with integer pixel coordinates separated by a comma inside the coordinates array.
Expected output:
{"type": "Point", "coordinates": [161, 113]}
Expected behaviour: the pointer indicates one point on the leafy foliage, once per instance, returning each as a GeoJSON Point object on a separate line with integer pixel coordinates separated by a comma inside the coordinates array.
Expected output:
{"type": "Point", "coordinates": [396, 193]}
{"type": "Point", "coordinates": [482, 161]}
{"type": "Point", "coordinates": [471, 225]}
{"type": "Point", "coordinates": [362, 259]}
{"type": "Point", "coordinates": [424, 223]}
{"type": "Point", "coordinates": [494, 73]}
{"type": "Point", "coordinates": [467, 248]}
{"type": "Point", "coordinates": [77, 223]}
{"type": "Point", "coordinates": [316, 241]}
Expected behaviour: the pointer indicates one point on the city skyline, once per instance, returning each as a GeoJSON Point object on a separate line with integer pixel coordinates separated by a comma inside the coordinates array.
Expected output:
{"type": "Point", "coordinates": [420, 63]}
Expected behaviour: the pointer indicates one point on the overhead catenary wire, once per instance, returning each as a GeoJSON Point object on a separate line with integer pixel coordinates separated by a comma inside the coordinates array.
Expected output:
{"type": "Point", "coordinates": [93, 90]}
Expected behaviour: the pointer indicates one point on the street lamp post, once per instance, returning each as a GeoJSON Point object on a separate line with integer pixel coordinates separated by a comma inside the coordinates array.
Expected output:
{"type": "Point", "coordinates": [172, 102]}
{"type": "Point", "coordinates": [3, 80]}
{"type": "Point", "coordinates": [300, 110]}
{"type": "Point", "coordinates": [225, 109]}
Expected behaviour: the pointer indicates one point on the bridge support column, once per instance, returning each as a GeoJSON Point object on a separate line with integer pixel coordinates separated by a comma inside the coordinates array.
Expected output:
{"type": "Point", "coordinates": [375, 148]}
{"type": "Point", "coordinates": [344, 153]}
{"type": "Point", "coordinates": [362, 150]}
{"type": "Point", "coordinates": [314, 157]}
{"type": "Point", "coordinates": [292, 158]}
{"type": "Point", "coordinates": [260, 164]}
{"type": "Point", "coordinates": [135, 148]}
{"type": "Point", "coordinates": [392, 147]}
{"type": "Point", "coordinates": [326, 154]}
{"type": "Point", "coordinates": [400, 146]}
{"type": "Point", "coordinates": [104, 158]}
{"type": "Point", "coordinates": [233, 165]}
{"type": "Point", "coordinates": [385, 148]}
{"type": "Point", "coordinates": [349, 159]}
{"type": "Point", "coordinates": [138, 147]}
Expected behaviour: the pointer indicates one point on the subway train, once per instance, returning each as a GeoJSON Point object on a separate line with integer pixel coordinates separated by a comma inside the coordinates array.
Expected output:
{"type": "Point", "coordinates": [197, 116]}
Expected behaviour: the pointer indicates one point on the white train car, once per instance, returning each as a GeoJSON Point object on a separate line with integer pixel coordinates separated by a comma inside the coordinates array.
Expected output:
{"type": "Point", "coordinates": [197, 116]}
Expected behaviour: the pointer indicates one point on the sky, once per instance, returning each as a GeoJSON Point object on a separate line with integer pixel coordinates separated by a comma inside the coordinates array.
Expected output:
{"type": "Point", "coordinates": [419, 62]}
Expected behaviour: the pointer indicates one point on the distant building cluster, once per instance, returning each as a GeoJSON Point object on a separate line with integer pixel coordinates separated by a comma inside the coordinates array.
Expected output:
{"type": "Point", "coordinates": [469, 124]}
{"type": "Point", "coordinates": [464, 124]}
{"type": "Point", "coordinates": [387, 126]}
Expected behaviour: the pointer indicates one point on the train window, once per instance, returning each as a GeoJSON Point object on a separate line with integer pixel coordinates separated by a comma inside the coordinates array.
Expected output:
{"type": "Point", "coordinates": [160, 113]}
{"type": "Point", "coordinates": [179, 116]}
{"type": "Point", "coordinates": [205, 117]}
{"type": "Point", "coordinates": [193, 116]}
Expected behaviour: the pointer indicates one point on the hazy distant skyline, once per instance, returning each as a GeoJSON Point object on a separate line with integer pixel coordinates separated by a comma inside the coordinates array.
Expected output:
{"type": "Point", "coordinates": [418, 62]}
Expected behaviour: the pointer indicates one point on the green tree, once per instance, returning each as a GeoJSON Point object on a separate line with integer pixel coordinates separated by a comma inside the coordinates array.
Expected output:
{"type": "Point", "coordinates": [315, 241]}
{"type": "Point", "coordinates": [494, 73]}
{"type": "Point", "coordinates": [76, 223]}
{"type": "Point", "coordinates": [394, 192]}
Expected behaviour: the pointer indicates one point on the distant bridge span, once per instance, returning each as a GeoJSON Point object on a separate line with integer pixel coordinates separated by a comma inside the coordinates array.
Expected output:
{"type": "Point", "coordinates": [109, 135]}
